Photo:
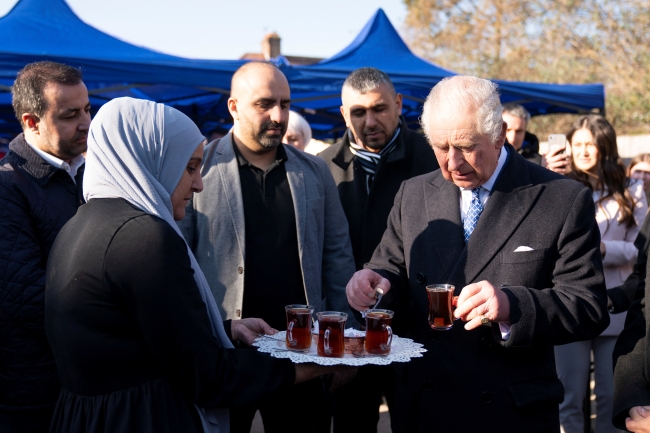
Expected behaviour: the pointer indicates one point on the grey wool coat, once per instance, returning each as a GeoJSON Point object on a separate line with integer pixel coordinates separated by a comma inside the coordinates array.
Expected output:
{"type": "Point", "coordinates": [214, 227]}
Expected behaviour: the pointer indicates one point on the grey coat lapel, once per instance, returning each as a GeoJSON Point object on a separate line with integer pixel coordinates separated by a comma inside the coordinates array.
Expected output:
{"type": "Point", "coordinates": [442, 201]}
{"type": "Point", "coordinates": [231, 183]}
{"type": "Point", "coordinates": [295, 175]}
{"type": "Point", "coordinates": [511, 200]}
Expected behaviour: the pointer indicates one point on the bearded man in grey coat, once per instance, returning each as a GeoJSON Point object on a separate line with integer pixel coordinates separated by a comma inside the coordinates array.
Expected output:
{"type": "Point", "coordinates": [269, 231]}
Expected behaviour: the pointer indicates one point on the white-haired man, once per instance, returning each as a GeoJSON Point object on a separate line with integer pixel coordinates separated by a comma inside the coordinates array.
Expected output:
{"type": "Point", "coordinates": [519, 244]}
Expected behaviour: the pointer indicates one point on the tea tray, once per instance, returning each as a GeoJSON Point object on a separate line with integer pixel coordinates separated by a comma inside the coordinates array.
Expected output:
{"type": "Point", "coordinates": [402, 350]}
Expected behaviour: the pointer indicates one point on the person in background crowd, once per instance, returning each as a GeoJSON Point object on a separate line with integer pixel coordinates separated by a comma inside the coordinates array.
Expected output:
{"type": "Point", "coordinates": [269, 231]}
{"type": "Point", "coordinates": [620, 210]}
{"type": "Point", "coordinates": [621, 297]}
{"type": "Point", "coordinates": [632, 368]}
{"type": "Point", "coordinates": [376, 154]}
{"type": "Point", "coordinates": [40, 190]}
{"type": "Point", "coordinates": [476, 224]}
{"type": "Point", "coordinates": [133, 326]}
{"type": "Point", "coordinates": [524, 142]}
{"type": "Point", "coordinates": [298, 132]}
{"type": "Point", "coordinates": [639, 168]}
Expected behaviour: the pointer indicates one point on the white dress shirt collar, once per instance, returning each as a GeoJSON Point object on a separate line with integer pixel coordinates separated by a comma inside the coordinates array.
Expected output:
{"type": "Point", "coordinates": [71, 168]}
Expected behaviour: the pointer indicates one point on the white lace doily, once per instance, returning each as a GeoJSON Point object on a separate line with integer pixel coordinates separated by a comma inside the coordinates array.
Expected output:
{"type": "Point", "coordinates": [402, 350]}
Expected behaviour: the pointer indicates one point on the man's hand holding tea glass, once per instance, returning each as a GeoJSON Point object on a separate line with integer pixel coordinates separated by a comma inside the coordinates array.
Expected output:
{"type": "Point", "coordinates": [481, 303]}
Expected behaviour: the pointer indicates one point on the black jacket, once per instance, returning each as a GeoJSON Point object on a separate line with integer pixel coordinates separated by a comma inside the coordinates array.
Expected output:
{"type": "Point", "coordinates": [367, 213]}
{"type": "Point", "coordinates": [632, 361]}
{"type": "Point", "coordinates": [36, 200]}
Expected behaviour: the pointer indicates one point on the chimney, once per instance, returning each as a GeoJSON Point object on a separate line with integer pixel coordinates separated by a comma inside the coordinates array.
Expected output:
{"type": "Point", "coordinates": [271, 46]}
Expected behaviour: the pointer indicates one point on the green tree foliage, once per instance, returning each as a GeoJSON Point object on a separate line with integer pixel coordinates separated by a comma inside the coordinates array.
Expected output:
{"type": "Point", "coordinates": [555, 41]}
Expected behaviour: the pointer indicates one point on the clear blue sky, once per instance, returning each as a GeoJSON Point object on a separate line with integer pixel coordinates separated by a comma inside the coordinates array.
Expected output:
{"type": "Point", "coordinates": [226, 29]}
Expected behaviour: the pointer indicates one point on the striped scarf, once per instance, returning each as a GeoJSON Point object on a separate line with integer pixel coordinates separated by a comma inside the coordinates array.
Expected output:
{"type": "Point", "coordinates": [370, 161]}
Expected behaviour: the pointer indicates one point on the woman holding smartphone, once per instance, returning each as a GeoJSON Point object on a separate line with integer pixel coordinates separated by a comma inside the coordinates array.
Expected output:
{"type": "Point", "coordinates": [620, 209]}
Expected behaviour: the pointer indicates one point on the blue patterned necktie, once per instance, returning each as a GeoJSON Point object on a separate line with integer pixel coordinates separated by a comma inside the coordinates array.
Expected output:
{"type": "Point", "coordinates": [473, 213]}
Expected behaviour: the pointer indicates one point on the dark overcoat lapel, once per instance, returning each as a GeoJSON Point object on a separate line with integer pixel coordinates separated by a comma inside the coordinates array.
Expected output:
{"type": "Point", "coordinates": [442, 201]}
{"type": "Point", "coordinates": [462, 263]}
{"type": "Point", "coordinates": [513, 191]}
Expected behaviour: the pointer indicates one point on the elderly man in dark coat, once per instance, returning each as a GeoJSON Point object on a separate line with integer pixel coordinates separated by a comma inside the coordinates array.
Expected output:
{"type": "Point", "coordinates": [520, 245]}
{"type": "Point", "coordinates": [40, 190]}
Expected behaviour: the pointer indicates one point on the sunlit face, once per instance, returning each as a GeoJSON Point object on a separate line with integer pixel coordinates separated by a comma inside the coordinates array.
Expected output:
{"type": "Point", "coordinates": [584, 151]}
{"type": "Point", "coordinates": [189, 184]}
{"type": "Point", "coordinates": [62, 130]}
{"type": "Point", "coordinates": [516, 130]}
{"type": "Point", "coordinates": [466, 157]}
{"type": "Point", "coordinates": [642, 171]}
{"type": "Point", "coordinates": [372, 117]}
{"type": "Point", "coordinates": [295, 138]}
{"type": "Point", "coordinates": [261, 109]}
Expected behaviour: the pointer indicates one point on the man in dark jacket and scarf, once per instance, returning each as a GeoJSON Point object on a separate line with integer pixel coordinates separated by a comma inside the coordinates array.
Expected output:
{"type": "Point", "coordinates": [377, 153]}
{"type": "Point", "coordinates": [40, 190]}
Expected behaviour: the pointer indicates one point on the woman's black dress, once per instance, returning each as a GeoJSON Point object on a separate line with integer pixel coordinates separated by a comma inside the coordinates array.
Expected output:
{"type": "Point", "coordinates": [130, 334]}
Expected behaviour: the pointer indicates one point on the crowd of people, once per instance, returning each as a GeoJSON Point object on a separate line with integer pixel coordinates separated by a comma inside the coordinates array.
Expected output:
{"type": "Point", "coordinates": [140, 262]}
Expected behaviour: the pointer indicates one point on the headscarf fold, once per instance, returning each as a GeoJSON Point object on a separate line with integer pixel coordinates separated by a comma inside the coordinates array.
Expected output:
{"type": "Point", "coordinates": [138, 150]}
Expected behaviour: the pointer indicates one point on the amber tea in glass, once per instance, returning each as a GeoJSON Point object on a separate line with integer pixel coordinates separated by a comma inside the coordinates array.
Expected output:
{"type": "Point", "coordinates": [331, 334]}
{"type": "Point", "coordinates": [440, 308]}
{"type": "Point", "coordinates": [379, 334]}
{"type": "Point", "coordinates": [299, 318]}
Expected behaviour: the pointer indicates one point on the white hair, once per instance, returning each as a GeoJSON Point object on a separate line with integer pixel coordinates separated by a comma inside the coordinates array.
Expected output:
{"type": "Point", "coordinates": [454, 95]}
{"type": "Point", "coordinates": [299, 124]}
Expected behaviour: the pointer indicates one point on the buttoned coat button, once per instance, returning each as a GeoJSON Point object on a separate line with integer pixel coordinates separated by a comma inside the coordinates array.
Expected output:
{"type": "Point", "coordinates": [240, 270]}
{"type": "Point", "coordinates": [238, 313]}
{"type": "Point", "coordinates": [486, 398]}
{"type": "Point", "coordinates": [421, 278]}
{"type": "Point", "coordinates": [427, 385]}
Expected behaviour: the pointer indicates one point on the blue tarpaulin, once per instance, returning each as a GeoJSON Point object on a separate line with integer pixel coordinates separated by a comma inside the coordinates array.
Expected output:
{"type": "Point", "coordinates": [49, 30]}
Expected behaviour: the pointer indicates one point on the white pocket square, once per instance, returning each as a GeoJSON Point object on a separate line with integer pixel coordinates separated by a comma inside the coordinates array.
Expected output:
{"type": "Point", "coordinates": [523, 248]}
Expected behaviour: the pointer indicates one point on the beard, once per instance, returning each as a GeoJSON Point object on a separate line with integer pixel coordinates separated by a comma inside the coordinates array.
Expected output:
{"type": "Point", "coordinates": [268, 141]}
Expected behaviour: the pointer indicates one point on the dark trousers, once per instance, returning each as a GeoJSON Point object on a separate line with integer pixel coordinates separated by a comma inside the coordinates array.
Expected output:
{"type": "Point", "coordinates": [26, 421]}
{"type": "Point", "coordinates": [356, 405]}
{"type": "Point", "coordinates": [299, 408]}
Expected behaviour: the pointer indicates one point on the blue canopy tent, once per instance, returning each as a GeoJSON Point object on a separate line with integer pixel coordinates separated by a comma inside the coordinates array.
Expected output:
{"type": "Point", "coordinates": [379, 45]}
{"type": "Point", "coordinates": [114, 68]}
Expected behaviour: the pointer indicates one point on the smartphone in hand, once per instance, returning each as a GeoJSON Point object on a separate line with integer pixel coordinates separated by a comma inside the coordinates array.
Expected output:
{"type": "Point", "coordinates": [555, 142]}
